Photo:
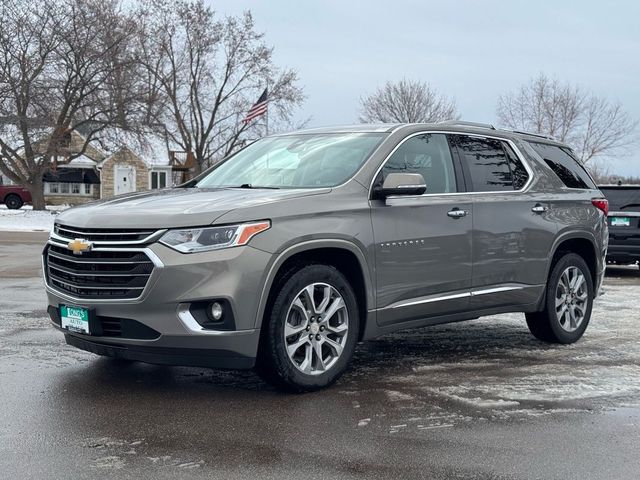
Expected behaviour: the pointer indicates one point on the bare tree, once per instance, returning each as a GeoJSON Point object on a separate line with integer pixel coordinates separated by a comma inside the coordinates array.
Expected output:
{"type": "Point", "coordinates": [600, 171]}
{"type": "Point", "coordinates": [407, 101]}
{"type": "Point", "coordinates": [590, 124]}
{"type": "Point", "coordinates": [64, 67]}
{"type": "Point", "coordinates": [206, 73]}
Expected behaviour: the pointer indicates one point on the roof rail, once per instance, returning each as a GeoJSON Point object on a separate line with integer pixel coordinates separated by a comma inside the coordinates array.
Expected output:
{"type": "Point", "coordinates": [467, 124]}
{"type": "Point", "coordinates": [539, 135]}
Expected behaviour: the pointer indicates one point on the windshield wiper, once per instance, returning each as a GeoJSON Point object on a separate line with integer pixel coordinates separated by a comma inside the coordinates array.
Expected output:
{"type": "Point", "coordinates": [257, 187]}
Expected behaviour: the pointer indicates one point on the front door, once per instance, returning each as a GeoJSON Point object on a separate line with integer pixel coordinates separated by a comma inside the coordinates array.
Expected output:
{"type": "Point", "coordinates": [423, 242]}
{"type": "Point", "coordinates": [125, 179]}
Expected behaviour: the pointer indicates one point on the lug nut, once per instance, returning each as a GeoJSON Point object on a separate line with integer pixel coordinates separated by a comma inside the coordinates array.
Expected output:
{"type": "Point", "coordinates": [322, 328]}
{"type": "Point", "coordinates": [311, 337]}
{"type": "Point", "coordinates": [308, 328]}
{"type": "Point", "coordinates": [317, 337]}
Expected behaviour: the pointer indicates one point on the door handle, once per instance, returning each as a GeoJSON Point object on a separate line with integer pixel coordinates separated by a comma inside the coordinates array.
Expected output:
{"type": "Point", "coordinates": [539, 208]}
{"type": "Point", "coordinates": [457, 213]}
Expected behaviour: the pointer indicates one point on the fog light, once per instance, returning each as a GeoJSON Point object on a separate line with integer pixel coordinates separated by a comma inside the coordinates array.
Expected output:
{"type": "Point", "coordinates": [216, 311]}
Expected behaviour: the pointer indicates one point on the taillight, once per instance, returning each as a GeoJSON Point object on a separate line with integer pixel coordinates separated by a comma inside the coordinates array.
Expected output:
{"type": "Point", "coordinates": [601, 204]}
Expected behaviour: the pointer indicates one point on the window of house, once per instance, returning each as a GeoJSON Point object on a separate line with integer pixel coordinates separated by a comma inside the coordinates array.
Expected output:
{"type": "Point", "coordinates": [75, 188]}
{"type": "Point", "coordinates": [64, 188]}
{"type": "Point", "coordinates": [53, 188]}
{"type": "Point", "coordinates": [87, 188]}
{"type": "Point", "coordinates": [158, 180]}
{"type": "Point", "coordinates": [429, 155]}
{"type": "Point", "coordinates": [486, 162]}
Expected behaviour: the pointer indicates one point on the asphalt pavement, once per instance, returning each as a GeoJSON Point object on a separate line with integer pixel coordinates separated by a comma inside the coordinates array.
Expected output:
{"type": "Point", "coordinates": [480, 399]}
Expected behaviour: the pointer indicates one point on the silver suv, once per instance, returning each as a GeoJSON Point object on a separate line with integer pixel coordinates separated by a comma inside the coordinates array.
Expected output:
{"type": "Point", "coordinates": [291, 251]}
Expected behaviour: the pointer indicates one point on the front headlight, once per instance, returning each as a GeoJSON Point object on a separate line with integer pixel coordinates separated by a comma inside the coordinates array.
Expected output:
{"type": "Point", "coordinates": [191, 240]}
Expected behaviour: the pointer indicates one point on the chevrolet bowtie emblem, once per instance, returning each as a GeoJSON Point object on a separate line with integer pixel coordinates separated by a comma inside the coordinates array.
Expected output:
{"type": "Point", "coordinates": [79, 246]}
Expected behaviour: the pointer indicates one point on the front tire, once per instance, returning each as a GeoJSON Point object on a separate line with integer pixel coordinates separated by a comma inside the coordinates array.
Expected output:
{"type": "Point", "coordinates": [13, 202]}
{"type": "Point", "coordinates": [568, 304]}
{"type": "Point", "coordinates": [311, 330]}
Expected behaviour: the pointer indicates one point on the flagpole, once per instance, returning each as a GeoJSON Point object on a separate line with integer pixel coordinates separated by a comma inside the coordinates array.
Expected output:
{"type": "Point", "coordinates": [266, 116]}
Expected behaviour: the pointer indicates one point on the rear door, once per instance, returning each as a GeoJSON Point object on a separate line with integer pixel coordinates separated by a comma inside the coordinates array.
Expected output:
{"type": "Point", "coordinates": [423, 242]}
{"type": "Point", "coordinates": [513, 230]}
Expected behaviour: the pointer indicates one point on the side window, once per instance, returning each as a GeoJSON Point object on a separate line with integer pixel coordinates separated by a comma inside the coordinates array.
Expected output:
{"type": "Point", "coordinates": [567, 168]}
{"type": "Point", "coordinates": [518, 172]}
{"type": "Point", "coordinates": [428, 155]}
{"type": "Point", "coordinates": [486, 162]}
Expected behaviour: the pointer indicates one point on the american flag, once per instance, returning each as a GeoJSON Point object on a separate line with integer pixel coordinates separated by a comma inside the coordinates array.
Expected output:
{"type": "Point", "coordinates": [259, 108]}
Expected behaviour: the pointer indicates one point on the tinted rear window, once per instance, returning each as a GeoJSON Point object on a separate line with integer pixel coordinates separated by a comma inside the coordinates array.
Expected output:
{"type": "Point", "coordinates": [567, 168]}
{"type": "Point", "coordinates": [487, 163]}
{"type": "Point", "coordinates": [622, 198]}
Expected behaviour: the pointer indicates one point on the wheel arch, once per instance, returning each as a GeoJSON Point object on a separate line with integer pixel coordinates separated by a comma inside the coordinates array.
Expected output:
{"type": "Point", "coordinates": [346, 256]}
{"type": "Point", "coordinates": [580, 243]}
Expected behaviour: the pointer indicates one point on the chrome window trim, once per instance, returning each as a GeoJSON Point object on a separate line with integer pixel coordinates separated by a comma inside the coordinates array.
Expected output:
{"type": "Point", "coordinates": [474, 135]}
{"type": "Point", "coordinates": [87, 301]}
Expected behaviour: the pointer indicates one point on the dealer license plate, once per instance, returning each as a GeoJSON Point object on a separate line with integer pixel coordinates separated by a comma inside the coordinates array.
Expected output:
{"type": "Point", "coordinates": [75, 319]}
{"type": "Point", "coordinates": [620, 222]}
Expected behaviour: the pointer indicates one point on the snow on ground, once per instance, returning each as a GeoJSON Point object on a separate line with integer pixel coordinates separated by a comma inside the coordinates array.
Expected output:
{"type": "Point", "coordinates": [25, 219]}
{"type": "Point", "coordinates": [493, 369]}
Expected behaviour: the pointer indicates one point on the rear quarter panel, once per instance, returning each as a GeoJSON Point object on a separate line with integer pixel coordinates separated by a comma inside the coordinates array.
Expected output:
{"type": "Point", "coordinates": [578, 218]}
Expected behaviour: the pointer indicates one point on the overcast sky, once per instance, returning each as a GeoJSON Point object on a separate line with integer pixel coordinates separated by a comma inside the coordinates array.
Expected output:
{"type": "Point", "coordinates": [471, 50]}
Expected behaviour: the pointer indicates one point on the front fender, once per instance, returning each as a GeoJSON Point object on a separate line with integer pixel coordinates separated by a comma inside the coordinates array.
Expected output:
{"type": "Point", "coordinates": [307, 245]}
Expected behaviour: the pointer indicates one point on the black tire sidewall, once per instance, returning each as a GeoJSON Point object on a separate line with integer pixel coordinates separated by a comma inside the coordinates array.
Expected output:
{"type": "Point", "coordinates": [13, 202]}
{"type": "Point", "coordinates": [287, 375]}
{"type": "Point", "coordinates": [560, 334]}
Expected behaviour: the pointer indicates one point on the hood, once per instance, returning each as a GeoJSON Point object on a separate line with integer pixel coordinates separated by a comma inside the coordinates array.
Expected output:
{"type": "Point", "coordinates": [177, 207]}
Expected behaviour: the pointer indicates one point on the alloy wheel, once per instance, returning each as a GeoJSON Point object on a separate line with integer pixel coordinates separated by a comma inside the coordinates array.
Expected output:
{"type": "Point", "coordinates": [316, 328]}
{"type": "Point", "coordinates": [572, 296]}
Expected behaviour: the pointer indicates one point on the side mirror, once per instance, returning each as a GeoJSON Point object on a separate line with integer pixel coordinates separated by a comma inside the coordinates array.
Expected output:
{"type": "Point", "coordinates": [401, 184]}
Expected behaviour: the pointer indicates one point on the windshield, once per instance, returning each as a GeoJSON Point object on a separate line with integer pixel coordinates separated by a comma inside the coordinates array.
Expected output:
{"type": "Point", "coordinates": [295, 161]}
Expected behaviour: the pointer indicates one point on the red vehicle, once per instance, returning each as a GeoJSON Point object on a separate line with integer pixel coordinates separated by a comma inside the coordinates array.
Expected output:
{"type": "Point", "coordinates": [14, 196]}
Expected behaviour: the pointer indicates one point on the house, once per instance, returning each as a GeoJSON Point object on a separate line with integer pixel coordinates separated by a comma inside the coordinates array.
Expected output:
{"type": "Point", "coordinates": [123, 163]}
{"type": "Point", "coordinates": [143, 164]}
{"type": "Point", "coordinates": [73, 183]}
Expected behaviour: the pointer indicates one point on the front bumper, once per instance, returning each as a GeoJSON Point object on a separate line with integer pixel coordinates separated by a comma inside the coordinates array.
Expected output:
{"type": "Point", "coordinates": [188, 357]}
{"type": "Point", "coordinates": [234, 275]}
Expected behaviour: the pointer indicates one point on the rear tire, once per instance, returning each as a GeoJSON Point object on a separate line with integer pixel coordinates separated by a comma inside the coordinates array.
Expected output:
{"type": "Point", "coordinates": [568, 303]}
{"type": "Point", "coordinates": [310, 332]}
{"type": "Point", "coordinates": [13, 201]}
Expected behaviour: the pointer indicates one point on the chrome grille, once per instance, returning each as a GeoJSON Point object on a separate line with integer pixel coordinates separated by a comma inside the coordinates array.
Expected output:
{"type": "Point", "coordinates": [98, 274]}
{"type": "Point", "coordinates": [106, 235]}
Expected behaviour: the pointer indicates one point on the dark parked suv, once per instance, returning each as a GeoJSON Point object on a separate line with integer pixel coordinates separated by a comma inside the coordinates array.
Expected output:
{"type": "Point", "coordinates": [624, 223]}
{"type": "Point", "coordinates": [289, 252]}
